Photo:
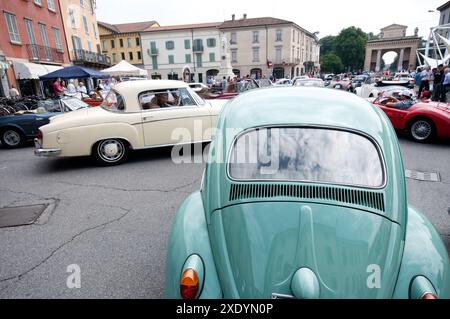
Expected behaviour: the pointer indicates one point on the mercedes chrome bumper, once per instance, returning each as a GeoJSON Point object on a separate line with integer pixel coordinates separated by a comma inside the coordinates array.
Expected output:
{"type": "Point", "coordinates": [45, 152]}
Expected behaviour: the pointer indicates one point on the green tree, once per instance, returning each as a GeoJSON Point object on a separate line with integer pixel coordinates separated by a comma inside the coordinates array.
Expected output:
{"type": "Point", "coordinates": [350, 47]}
{"type": "Point", "coordinates": [331, 63]}
{"type": "Point", "coordinates": [327, 44]}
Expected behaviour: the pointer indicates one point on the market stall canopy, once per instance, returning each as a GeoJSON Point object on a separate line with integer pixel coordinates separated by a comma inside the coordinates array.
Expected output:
{"type": "Point", "coordinates": [123, 68]}
{"type": "Point", "coordinates": [74, 72]}
{"type": "Point", "coordinates": [25, 70]}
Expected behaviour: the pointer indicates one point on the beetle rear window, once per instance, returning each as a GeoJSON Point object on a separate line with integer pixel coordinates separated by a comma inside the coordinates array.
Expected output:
{"type": "Point", "coordinates": [306, 154]}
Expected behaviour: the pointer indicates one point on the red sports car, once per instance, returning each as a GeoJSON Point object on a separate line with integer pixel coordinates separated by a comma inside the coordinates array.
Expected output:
{"type": "Point", "coordinates": [423, 121]}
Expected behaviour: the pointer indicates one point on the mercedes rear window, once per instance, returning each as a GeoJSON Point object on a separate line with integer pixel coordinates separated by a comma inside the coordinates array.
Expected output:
{"type": "Point", "coordinates": [306, 154]}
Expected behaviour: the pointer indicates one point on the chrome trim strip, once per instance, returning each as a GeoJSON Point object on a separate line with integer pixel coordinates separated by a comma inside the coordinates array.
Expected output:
{"type": "Point", "coordinates": [167, 145]}
{"type": "Point", "coordinates": [176, 118]}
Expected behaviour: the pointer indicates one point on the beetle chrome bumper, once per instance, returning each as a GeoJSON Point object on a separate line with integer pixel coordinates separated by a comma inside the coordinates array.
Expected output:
{"type": "Point", "coordinates": [45, 152]}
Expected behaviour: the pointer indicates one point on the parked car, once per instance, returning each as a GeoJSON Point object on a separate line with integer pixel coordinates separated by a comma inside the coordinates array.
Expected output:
{"type": "Point", "coordinates": [309, 82]}
{"type": "Point", "coordinates": [128, 120]}
{"type": "Point", "coordinates": [263, 83]}
{"type": "Point", "coordinates": [423, 121]}
{"type": "Point", "coordinates": [283, 82]}
{"type": "Point", "coordinates": [304, 206]}
{"type": "Point", "coordinates": [360, 80]}
{"type": "Point", "coordinates": [17, 129]}
{"type": "Point", "coordinates": [341, 83]}
{"type": "Point", "coordinates": [371, 88]}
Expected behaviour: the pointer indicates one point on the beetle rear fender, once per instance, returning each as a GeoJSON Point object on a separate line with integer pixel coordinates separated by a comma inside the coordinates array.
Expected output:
{"type": "Point", "coordinates": [189, 236]}
{"type": "Point", "coordinates": [424, 254]}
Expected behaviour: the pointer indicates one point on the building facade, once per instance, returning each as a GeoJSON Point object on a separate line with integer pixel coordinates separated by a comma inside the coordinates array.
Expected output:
{"type": "Point", "coordinates": [393, 38]}
{"type": "Point", "coordinates": [123, 41]}
{"type": "Point", "coordinates": [168, 50]}
{"type": "Point", "coordinates": [82, 35]}
{"type": "Point", "coordinates": [33, 42]}
{"type": "Point", "coordinates": [270, 46]}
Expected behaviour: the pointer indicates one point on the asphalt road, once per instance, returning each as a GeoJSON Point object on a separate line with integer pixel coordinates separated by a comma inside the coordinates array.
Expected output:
{"type": "Point", "coordinates": [114, 222]}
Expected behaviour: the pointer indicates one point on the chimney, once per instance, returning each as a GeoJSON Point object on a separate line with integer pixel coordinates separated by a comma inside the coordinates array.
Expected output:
{"type": "Point", "coordinates": [245, 16]}
{"type": "Point", "coordinates": [232, 17]}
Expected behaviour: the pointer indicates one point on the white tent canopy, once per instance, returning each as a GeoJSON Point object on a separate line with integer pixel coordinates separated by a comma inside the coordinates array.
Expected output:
{"type": "Point", "coordinates": [123, 68]}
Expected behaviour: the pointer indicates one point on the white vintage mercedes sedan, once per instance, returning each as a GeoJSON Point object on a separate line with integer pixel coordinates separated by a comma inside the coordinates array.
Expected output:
{"type": "Point", "coordinates": [135, 115]}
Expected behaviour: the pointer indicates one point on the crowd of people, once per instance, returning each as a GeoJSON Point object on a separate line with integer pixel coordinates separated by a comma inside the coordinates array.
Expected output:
{"type": "Point", "coordinates": [434, 82]}
{"type": "Point", "coordinates": [59, 88]}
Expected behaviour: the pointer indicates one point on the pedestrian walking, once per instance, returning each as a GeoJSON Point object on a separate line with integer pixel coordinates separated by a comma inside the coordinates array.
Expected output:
{"type": "Point", "coordinates": [446, 85]}
{"type": "Point", "coordinates": [418, 81]}
{"type": "Point", "coordinates": [438, 80]}
{"type": "Point", "coordinates": [57, 89]}
{"type": "Point", "coordinates": [426, 76]}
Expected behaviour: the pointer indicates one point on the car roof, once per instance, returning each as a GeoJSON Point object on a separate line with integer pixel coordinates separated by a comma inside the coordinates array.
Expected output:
{"type": "Point", "coordinates": [303, 106]}
{"type": "Point", "coordinates": [149, 85]}
{"type": "Point", "coordinates": [130, 90]}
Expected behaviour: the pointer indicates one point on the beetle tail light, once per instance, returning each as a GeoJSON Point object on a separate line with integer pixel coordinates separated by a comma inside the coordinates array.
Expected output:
{"type": "Point", "coordinates": [189, 284]}
{"type": "Point", "coordinates": [422, 288]}
{"type": "Point", "coordinates": [429, 296]}
{"type": "Point", "coordinates": [39, 134]}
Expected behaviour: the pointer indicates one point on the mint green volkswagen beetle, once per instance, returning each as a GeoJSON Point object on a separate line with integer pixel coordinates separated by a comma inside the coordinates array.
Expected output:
{"type": "Point", "coordinates": [304, 196]}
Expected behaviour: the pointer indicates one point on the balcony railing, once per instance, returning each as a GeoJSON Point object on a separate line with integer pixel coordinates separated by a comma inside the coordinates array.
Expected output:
{"type": "Point", "coordinates": [84, 56]}
{"type": "Point", "coordinates": [153, 51]}
{"type": "Point", "coordinates": [40, 53]}
{"type": "Point", "coordinates": [197, 48]}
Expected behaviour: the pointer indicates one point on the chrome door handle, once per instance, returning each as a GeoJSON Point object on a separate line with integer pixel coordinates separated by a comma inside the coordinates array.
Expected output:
{"type": "Point", "coordinates": [146, 118]}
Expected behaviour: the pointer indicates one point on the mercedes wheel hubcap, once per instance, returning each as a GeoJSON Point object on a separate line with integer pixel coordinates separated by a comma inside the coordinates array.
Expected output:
{"type": "Point", "coordinates": [111, 150]}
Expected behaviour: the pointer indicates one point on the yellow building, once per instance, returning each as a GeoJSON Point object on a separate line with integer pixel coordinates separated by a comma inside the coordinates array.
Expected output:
{"type": "Point", "coordinates": [81, 30]}
{"type": "Point", "coordinates": [123, 41]}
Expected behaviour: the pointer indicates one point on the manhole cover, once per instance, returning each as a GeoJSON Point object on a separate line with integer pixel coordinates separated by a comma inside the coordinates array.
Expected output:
{"type": "Point", "coordinates": [423, 176]}
{"type": "Point", "coordinates": [20, 215]}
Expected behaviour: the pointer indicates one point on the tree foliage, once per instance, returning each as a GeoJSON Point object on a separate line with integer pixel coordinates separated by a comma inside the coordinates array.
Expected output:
{"type": "Point", "coordinates": [328, 44]}
{"type": "Point", "coordinates": [331, 63]}
{"type": "Point", "coordinates": [350, 47]}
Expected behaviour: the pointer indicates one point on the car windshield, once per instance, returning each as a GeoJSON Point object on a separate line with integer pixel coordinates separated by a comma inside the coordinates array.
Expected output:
{"type": "Point", "coordinates": [306, 154]}
{"type": "Point", "coordinates": [75, 104]}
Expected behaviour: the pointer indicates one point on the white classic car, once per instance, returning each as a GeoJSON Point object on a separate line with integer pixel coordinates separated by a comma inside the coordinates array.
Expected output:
{"type": "Point", "coordinates": [371, 89]}
{"type": "Point", "coordinates": [135, 115]}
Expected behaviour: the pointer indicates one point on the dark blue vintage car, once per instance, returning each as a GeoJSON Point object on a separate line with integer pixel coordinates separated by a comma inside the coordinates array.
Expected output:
{"type": "Point", "coordinates": [16, 129]}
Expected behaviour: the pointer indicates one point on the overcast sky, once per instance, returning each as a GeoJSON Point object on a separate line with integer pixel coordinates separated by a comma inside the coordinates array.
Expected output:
{"type": "Point", "coordinates": [326, 16]}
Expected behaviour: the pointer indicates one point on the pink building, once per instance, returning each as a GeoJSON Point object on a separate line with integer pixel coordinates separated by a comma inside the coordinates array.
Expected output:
{"type": "Point", "coordinates": [33, 41]}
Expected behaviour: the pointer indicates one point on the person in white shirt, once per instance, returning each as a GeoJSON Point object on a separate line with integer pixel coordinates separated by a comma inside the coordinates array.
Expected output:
{"type": "Point", "coordinates": [426, 77]}
{"type": "Point", "coordinates": [13, 93]}
{"type": "Point", "coordinates": [81, 88]}
{"type": "Point", "coordinates": [71, 88]}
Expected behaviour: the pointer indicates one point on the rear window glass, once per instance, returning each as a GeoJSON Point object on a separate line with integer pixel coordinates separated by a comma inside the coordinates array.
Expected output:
{"type": "Point", "coordinates": [306, 154]}
{"type": "Point", "coordinates": [114, 102]}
